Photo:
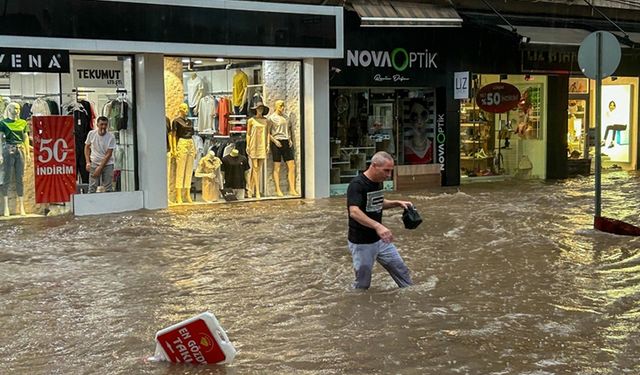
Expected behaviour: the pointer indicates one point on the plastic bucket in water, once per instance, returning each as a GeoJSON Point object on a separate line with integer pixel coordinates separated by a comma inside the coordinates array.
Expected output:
{"type": "Point", "coordinates": [198, 340]}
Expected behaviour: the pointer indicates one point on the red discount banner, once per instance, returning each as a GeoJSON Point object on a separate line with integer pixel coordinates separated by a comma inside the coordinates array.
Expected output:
{"type": "Point", "coordinates": [199, 340]}
{"type": "Point", "coordinates": [498, 97]}
{"type": "Point", "coordinates": [54, 158]}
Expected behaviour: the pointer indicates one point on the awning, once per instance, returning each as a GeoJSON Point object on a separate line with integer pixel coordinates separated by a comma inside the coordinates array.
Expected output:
{"type": "Point", "coordinates": [551, 35]}
{"type": "Point", "coordinates": [382, 13]}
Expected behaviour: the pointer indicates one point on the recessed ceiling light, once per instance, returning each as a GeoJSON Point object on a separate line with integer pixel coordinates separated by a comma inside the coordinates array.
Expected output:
{"type": "Point", "coordinates": [186, 61]}
{"type": "Point", "coordinates": [220, 59]}
{"type": "Point", "coordinates": [198, 62]}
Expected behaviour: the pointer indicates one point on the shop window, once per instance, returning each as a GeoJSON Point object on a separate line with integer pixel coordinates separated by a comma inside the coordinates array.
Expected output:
{"type": "Point", "coordinates": [233, 129]}
{"type": "Point", "coordinates": [503, 144]}
{"type": "Point", "coordinates": [96, 86]}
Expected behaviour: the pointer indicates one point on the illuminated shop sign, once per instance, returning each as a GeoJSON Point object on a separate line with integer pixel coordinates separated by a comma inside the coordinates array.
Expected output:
{"type": "Point", "coordinates": [34, 60]}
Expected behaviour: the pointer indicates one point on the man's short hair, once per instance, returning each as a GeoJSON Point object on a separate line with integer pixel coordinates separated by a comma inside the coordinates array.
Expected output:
{"type": "Point", "coordinates": [381, 157]}
{"type": "Point", "coordinates": [102, 118]}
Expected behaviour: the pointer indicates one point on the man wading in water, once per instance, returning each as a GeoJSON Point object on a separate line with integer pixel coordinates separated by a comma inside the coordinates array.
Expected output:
{"type": "Point", "coordinates": [369, 240]}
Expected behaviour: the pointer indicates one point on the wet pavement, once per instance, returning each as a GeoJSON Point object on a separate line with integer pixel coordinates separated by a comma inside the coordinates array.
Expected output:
{"type": "Point", "coordinates": [510, 279]}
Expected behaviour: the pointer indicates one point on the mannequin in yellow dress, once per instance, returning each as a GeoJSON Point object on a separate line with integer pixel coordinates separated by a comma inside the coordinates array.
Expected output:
{"type": "Point", "coordinates": [257, 146]}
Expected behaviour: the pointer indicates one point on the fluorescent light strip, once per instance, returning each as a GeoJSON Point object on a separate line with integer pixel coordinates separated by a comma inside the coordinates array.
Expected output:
{"type": "Point", "coordinates": [387, 19]}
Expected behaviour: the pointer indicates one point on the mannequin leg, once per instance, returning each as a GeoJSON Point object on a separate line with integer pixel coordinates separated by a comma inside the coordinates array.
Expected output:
{"type": "Point", "coordinates": [188, 171]}
{"type": "Point", "coordinates": [256, 166]}
{"type": "Point", "coordinates": [291, 174]}
{"type": "Point", "coordinates": [178, 195]}
{"type": "Point", "coordinates": [6, 206]}
{"type": "Point", "coordinates": [20, 206]}
{"type": "Point", "coordinates": [276, 178]}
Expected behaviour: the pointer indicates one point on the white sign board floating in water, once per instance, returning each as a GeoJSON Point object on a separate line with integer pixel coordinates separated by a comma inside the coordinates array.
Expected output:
{"type": "Point", "coordinates": [198, 340]}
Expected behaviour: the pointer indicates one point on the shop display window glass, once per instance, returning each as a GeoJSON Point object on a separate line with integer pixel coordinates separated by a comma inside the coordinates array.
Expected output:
{"type": "Point", "coordinates": [504, 143]}
{"type": "Point", "coordinates": [96, 86]}
{"type": "Point", "coordinates": [233, 129]}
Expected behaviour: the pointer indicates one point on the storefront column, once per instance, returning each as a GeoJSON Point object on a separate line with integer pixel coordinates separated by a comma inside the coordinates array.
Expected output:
{"type": "Point", "coordinates": [316, 128]}
{"type": "Point", "coordinates": [150, 121]}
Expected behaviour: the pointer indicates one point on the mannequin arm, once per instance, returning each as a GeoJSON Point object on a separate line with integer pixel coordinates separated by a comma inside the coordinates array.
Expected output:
{"type": "Point", "coordinates": [173, 143]}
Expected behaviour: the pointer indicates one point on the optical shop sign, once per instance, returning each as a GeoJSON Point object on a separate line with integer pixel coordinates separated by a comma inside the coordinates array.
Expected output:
{"type": "Point", "coordinates": [89, 73]}
{"type": "Point", "coordinates": [54, 158]}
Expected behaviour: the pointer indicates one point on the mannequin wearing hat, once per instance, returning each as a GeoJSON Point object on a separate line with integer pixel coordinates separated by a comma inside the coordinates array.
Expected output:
{"type": "Point", "coordinates": [280, 136]}
{"type": "Point", "coordinates": [15, 150]}
{"type": "Point", "coordinates": [257, 146]}
{"type": "Point", "coordinates": [185, 151]}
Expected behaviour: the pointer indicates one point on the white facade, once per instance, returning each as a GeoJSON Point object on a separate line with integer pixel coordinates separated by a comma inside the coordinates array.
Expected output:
{"type": "Point", "coordinates": [150, 107]}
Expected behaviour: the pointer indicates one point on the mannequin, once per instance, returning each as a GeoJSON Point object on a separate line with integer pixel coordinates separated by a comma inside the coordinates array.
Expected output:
{"type": "Point", "coordinates": [15, 151]}
{"type": "Point", "coordinates": [209, 170]}
{"type": "Point", "coordinates": [257, 146]}
{"type": "Point", "coordinates": [195, 92]}
{"type": "Point", "coordinates": [239, 99]}
{"type": "Point", "coordinates": [281, 148]}
{"type": "Point", "coordinates": [235, 167]}
{"type": "Point", "coordinates": [185, 151]}
{"type": "Point", "coordinates": [171, 156]}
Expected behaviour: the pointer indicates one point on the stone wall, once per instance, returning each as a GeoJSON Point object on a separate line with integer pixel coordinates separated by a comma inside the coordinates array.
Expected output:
{"type": "Point", "coordinates": [173, 97]}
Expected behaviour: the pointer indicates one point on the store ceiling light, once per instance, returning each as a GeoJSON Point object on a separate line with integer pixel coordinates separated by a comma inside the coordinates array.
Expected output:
{"type": "Point", "coordinates": [198, 62]}
{"type": "Point", "coordinates": [389, 13]}
{"type": "Point", "coordinates": [186, 61]}
{"type": "Point", "coordinates": [220, 59]}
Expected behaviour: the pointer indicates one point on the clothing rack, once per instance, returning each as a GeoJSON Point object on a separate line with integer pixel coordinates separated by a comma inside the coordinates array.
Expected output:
{"type": "Point", "coordinates": [220, 93]}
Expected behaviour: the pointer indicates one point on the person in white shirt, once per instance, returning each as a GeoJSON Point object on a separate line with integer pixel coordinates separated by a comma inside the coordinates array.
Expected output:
{"type": "Point", "coordinates": [98, 151]}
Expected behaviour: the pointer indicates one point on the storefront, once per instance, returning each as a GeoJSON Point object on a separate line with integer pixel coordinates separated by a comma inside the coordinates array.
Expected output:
{"type": "Point", "coordinates": [280, 50]}
{"type": "Point", "coordinates": [389, 76]}
{"type": "Point", "coordinates": [394, 91]}
{"type": "Point", "coordinates": [236, 152]}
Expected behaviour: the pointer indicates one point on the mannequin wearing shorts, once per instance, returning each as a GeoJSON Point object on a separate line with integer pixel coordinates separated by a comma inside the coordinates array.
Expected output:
{"type": "Point", "coordinates": [281, 148]}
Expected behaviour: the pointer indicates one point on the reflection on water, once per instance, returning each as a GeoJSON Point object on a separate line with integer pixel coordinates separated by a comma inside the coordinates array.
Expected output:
{"type": "Point", "coordinates": [511, 279]}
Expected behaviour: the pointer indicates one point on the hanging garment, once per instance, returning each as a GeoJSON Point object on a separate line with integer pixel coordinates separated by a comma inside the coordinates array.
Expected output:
{"type": "Point", "coordinates": [81, 128]}
{"type": "Point", "coordinates": [223, 115]}
{"type": "Point", "coordinates": [206, 113]}
{"type": "Point", "coordinates": [40, 107]}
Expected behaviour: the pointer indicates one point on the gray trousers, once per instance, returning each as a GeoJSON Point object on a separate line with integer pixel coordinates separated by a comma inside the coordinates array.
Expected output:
{"type": "Point", "coordinates": [13, 165]}
{"type": "Point", "coordinates": [104, 179]}
{"type": "Point", "coordinates": [364, 257]}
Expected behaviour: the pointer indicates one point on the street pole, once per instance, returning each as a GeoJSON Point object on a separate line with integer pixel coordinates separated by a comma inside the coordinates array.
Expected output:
{"type": "Point", "coordinates": [598, 197]}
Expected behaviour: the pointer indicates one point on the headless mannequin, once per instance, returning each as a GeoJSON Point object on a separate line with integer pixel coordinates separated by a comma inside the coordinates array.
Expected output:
{"type": "Point", "coordinates": [257, 159]}
{"type": "Point", "coordinates": [291, 166]}
{"type": "Point", "coordinates": [182, 113]}
{"type": "Point", "coordinates": [13, 111]}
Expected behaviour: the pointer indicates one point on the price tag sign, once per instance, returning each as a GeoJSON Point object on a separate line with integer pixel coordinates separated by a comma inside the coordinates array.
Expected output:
{"type": "Point", "coordinates": [54, 158]}
{"type": "Point", "coordinates": [498, 97]}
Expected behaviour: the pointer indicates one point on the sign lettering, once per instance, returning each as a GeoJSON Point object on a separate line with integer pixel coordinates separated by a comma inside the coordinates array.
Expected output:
{"type": "Point", "coordinates": [398, 59]}
{"type": "Point", "coordinates": [34, 60]}
{"type": "Point", "coordinates": [89, 73]}
{"type": "Point", "coordinates": [55, 158]}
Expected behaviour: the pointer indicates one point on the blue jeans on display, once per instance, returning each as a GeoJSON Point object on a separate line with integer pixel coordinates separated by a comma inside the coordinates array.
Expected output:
{"type": "Point", "coordinates": [104, 179]}
{"type": "Point", "coordinates": [364, 257]}
{"type": "Point", "coordinates": [13, 165]}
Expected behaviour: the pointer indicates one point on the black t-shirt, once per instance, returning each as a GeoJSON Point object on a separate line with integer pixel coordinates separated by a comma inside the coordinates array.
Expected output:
{"type": "Point", "coordinates": [183, 128]}
{"type": "Point", "coordinates": [234, 168]}
{"type": "Point", "coordinates": [369, 197]}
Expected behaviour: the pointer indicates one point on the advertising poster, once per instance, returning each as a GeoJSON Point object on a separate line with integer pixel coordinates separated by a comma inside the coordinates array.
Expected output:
{"type": "Point", "coordinates": [54, 158]}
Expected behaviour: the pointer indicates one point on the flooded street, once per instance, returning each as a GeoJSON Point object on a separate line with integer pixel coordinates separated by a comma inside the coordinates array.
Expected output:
{"type": "Point", "coordinates": [510, 279]}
